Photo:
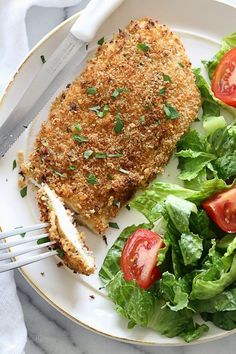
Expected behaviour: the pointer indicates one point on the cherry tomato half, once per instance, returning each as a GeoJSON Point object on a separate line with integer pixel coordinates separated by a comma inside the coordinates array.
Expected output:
{"type": "Point", "coordinates": [139, 257]}
{"type": "Point", "coordinates": [221, 208]}
{"type": "Point", "coordinates": [224, 79]}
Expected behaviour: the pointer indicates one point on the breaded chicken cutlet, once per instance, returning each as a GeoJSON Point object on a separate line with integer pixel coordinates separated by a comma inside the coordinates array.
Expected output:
{"type": "Point", "coordinates": [115, 127]}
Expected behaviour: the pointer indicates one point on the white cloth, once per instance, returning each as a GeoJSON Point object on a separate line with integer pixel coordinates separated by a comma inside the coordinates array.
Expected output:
{"type": "Point", "coordinates": [13, 39]}
{"type": "Point", "coordinates": [12, 327]}
{"type": "Point", "coordinates": [13, 48]}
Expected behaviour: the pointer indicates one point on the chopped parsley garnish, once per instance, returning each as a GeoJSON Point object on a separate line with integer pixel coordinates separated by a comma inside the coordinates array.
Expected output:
{"type": "Point", "coordinates": [14, 164]}
{"type": "Point", "coordinates": [119, 124]}
{"type": "Point", "coordinates": [101, 41]}
{"type": "Point", "coordinates": [72, 167]}
{"type": "Point", "coordinates": [59, 174]}
{"type": "Point", "coordinates": [143, 46]}
{"type": "Point", "coordinates": [162, 91]}
{"type": "Point", "coordinates": [116, 203]}
{"type": "Point", "coordinates": [23, 233]}
{"type": "Point", "coordinates": [114, 225]}
{"type": "Point", "coordinates": [157, 121]}
{"type": "Point", "coordinates": [181, 65]}
{"type": "Point", "coordinates": [23, 192]}
{"type": "Point", "coordinates": [122, 170]}
{"type": "Point", "coordinates": [114, 155]}
{"type": "Point", "coordinates": [91, 90]}
{"type": "Point", "coordinates": [105, 240]}
{"type": "Point", "coordinates": [80, 139]}
{"type": "Point", "coordinates": [100, 113]}
{"type": "Point", "coordinates": [60, 252]}
{"type": "Point", "coordinates": [95, 109]}
{"type": "Point", "coordinates": [170, 111]}
{"type": "Point", "coordinates": [42, 240]}
{"type": "Point", "coordinates": [166, 78]}
{"type": "Point", "coordinates": [87, 154]}
{"type": "Point", "coordinates": [78, 127]}
{"type": "Point", "coordinates": [91, 179]}
{"type": "Point", "coordinates": [117, 91]}
{"type": "Point", "coordinates": [43, 60]}
{"type": "Point", "coordinates": [104, 112]}
{"type": "Point", "coordinates": [104, 155]}
{"type": "Point", "coordinates": [142, 120]}
{"type": "Point", "coordinates": [110, 177]}
{"type": "Point", "coordinates": [100, 155]}
{"type": "Point", "coordinates": [128, 207]}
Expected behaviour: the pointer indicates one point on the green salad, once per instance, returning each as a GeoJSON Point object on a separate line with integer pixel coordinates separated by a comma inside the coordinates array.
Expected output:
{"type": "Point", "coordinates": [194, 270]}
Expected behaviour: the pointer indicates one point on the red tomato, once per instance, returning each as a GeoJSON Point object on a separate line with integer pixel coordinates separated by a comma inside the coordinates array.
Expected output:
{"type": "Point", "coordinates": [139, 257]}
{"type": "Point", "coordinates": [224, 79]}
{"type": "Point", "coordinates": [221, 208]}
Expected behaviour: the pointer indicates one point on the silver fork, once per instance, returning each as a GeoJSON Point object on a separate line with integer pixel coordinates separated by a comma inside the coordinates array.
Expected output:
{"type": "Point", "coordinates": [7, 259]}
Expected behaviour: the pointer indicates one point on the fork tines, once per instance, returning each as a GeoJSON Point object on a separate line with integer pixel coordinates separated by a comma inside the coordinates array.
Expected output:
{"type": "Point", "coordinates": [7, 259]}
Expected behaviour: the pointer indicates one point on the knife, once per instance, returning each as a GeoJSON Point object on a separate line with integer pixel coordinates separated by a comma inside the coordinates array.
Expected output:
{"type": "Point", "coordinates": [53, 72]}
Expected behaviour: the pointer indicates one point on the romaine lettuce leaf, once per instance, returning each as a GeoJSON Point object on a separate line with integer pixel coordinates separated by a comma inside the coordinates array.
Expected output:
{"type": "Point", "coordinates": [192, 163]}
{"type": "Point", "coordinates": [210, 108]}
{"type": "Point", "coordinates": [223, 140]}
{"type": "Point", "coordinates": [111, 264]}
{"type": "Point", "coordinates": [192, 141]}
{"type": "Point", "coordinates": [227, 43]}
{"type": "Point", "coordinates": [199, 223]}
{"type": "Point", "coordinates": [223, 144]}
{"type": "Point", "coordinates": [176, 213]}
{"type": "Point", "coordinates": [212, 105]}
{"type": "Point", "coordinates": [225, 320]}
{"type": "Point", "coordinates": [191, 247]}
{"type": "Point", "coordinates": [179, 211]}
{"type": "Point", "coordinates": [160, 227]}
{"type": "Point", "coordinates": [194, 159]}
{"type": "Point", "coordinates": [207, 284]}
{"type": "Point", "coordinates": [212, 123]}
{"type": "Point", "coordinates": [174, 291]}
{"type": "Point", "coordinates": [157, 192]}
{"type": "Point", "coordinates": [225, 241]}
{"type": "Point", "coordinates": [162, 253]}
{"type": "Point", "coordinates": [143, 308]}
{"type": "Point", "coordinates": [226, 166]}
{"type": "Point", "coordinates": [217, 157]}
{"type": "Point", "coordinates": [226, 301]}
{"type": "Point", "coordinates": [194, 333]}
{"type": "Point", "coordinates": [198, 181]}
{"type": "Point", "coordinates": [231, 247]}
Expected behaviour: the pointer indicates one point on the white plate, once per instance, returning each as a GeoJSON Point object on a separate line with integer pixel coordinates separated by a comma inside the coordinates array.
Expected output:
{"type": "Point", "coordinates": [200, 24]}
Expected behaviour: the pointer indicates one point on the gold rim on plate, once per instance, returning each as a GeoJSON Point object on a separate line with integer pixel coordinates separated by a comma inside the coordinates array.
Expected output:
{"type": "Point", "coordinates": [26, 275]}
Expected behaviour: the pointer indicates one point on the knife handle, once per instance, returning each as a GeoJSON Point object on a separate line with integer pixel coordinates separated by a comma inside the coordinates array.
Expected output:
{"type": "Point", "coordinates": [91, 18]}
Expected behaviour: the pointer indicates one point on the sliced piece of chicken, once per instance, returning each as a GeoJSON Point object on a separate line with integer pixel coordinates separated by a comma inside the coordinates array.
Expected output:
{"type": "Point", "coordinates": [76, 253]}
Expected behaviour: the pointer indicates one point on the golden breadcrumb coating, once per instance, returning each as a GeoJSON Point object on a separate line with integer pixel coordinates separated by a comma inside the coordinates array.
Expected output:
{"type": "Point", "coordinates": [123, 105]}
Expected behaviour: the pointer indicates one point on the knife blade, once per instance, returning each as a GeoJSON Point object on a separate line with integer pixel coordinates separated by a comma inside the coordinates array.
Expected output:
{"type": "Point", "coordinates": [37, 95]}
{"type": "Point", "coordinates": [53, 72]}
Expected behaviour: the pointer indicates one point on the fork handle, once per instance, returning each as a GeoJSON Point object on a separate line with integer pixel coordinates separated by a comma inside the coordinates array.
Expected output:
{"type": "Point", "coordinates": [92, 17]}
